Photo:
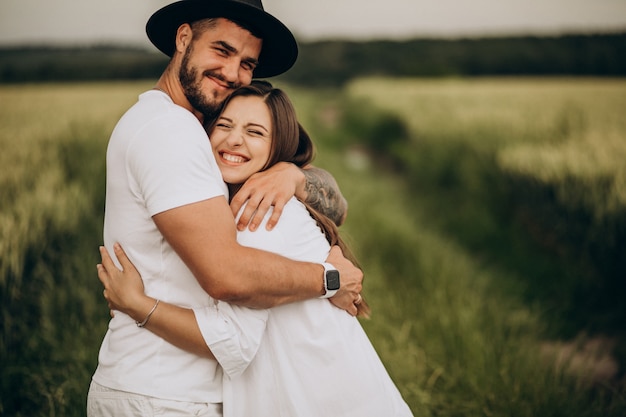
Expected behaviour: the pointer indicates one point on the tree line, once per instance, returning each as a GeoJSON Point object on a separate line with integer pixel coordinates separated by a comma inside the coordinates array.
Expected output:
{"type": "Point", "coordinates": [334, 62]}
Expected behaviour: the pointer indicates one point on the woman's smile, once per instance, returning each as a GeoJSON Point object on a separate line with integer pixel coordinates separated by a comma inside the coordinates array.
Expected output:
{"type": "Point", "coordinates": [235, 159]}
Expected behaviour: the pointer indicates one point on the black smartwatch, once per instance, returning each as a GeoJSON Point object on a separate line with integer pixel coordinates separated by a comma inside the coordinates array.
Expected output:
{"type": "Point", "coordinates": [331, 280]}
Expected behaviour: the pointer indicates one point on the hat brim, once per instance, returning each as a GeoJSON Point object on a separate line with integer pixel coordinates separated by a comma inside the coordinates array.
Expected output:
{"type": "Point", "coordinates": [279, 51]}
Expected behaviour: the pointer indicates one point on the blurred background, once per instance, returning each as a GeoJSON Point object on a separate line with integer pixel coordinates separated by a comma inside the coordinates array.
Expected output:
{"type": "Point", "coordinates": [480, 146]}
{"type": "Point", "coordinates": [116, 21]}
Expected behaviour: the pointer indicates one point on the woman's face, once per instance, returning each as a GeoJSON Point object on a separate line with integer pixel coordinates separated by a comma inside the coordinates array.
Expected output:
{"type": "Point", "coordinates": [241, 138]}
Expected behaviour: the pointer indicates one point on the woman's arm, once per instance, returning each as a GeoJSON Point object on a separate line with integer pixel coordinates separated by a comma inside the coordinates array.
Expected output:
{"type": "Point", "coordinates": [230, 334]}
{"type": "Point", "coordinates": [275, 186]}
{"type": "Point", "coordinates": [124, 291]}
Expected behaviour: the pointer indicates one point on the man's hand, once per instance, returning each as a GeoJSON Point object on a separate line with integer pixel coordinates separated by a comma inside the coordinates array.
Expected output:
{"type": "Point", "coordinates": [265, 189]}
{"type": "Point", "coordinates": [351, 279]}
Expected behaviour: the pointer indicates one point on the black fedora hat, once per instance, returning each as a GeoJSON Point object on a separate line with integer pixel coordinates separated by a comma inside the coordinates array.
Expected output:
{"type": "Point", "coordinates": [279, 51]}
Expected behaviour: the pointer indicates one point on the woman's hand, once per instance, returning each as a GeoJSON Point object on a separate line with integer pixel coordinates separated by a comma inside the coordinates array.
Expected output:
{"type": "Point", "coordinates": [273, 187]}
{"type": "Point", "coordinates": [123, 289]}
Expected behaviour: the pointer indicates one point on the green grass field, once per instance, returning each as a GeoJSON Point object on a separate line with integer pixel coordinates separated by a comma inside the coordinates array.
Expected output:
{"type": "Point", "coordinates": [471, 316]}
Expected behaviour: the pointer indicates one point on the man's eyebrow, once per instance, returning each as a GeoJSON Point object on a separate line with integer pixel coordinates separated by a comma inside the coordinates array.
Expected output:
{"type": "Point", "coordinates": [234, 50]}
{"type": "Point", "coordinates": [226, 46]}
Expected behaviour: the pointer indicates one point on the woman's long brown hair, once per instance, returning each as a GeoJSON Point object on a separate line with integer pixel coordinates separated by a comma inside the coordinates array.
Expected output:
{"type": "Point", "coordinates": [291, 143]}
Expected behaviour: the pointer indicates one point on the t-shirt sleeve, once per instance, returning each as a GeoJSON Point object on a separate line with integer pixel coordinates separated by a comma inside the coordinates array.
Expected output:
{"type": "Point", "coordinates": [172, 164]}
{"type": "Point", "coordinates": [233, 333]}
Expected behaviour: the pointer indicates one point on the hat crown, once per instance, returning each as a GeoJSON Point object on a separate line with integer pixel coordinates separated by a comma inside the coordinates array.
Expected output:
{"type": "Point", "coordinates": [254, 3]}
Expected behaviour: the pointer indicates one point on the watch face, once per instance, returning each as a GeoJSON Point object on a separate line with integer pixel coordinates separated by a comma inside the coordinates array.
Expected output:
{"type": "Point", "coordinates": [332, 280]}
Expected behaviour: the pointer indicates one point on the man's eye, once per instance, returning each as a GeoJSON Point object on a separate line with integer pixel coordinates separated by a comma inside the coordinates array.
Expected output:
{"type": "Point", "coordinates": [248, 66]}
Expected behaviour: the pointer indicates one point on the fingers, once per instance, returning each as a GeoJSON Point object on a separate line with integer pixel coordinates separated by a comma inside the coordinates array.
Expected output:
{"type": "Point", "coordinates": [258, 213]}
{"type": "Point", "coordinates": [353, 311]}
{"type": "Point", "coordinates": [109, 303]}
{"type": "Point", "coordinates": [238, 200]}
{"type": "Point", "coordinates": [345, 302]}
{"type": "Point", "coordinates": [278, 211]}
{"type": "Point", "coordinates": [237, 203]}
{"type": "Point", "coordinates": [122, 258]}
{"type": "Point", "coordinates": [255, 211]}
{"type": "Point", "coordinates": [107, 262]}
{"type": "Point", "coordinates": [103, 275]}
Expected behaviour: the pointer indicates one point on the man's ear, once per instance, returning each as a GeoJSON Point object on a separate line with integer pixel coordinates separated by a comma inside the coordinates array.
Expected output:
{"type": "Point", "coordinates": [184, 34]}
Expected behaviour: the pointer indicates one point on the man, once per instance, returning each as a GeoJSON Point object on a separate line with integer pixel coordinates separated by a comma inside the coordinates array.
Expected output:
{"type": "Point", "coordinates": [166, 204]}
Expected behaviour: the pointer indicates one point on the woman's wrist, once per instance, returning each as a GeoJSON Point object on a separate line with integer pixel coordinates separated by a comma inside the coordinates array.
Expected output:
{"type": "Point", "coordinates": [139, 309]}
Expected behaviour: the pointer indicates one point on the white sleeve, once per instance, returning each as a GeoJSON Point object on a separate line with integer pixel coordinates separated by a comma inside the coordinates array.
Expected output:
{"type": "Point", "coordinates": [233, 333]}
{"type": "Point", "coordinates": [172, 164]}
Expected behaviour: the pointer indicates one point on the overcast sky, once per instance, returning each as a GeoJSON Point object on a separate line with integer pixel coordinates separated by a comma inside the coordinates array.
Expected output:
{"type": "Point", "coordinates": [123, 21]}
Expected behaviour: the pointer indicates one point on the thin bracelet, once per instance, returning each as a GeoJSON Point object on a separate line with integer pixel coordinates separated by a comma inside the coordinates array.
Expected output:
{"type": "Point", "coordinates": [143, 323]}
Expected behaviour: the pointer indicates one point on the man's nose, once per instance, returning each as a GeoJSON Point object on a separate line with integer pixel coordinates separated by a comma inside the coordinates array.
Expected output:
{"type": "Point", "coordinates": [231, 71]}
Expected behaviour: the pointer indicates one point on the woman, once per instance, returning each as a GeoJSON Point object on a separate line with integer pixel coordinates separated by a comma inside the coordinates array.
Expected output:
{"type": "Point", "coordinates": [302, 359]}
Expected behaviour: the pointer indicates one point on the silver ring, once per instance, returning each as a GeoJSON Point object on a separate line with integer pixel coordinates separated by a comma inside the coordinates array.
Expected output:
{"type": "Point", "coordinates": [358, 299]}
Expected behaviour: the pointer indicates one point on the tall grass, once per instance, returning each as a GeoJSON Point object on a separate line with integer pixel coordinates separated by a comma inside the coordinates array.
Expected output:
{"type": "Point", "coordinates": [512, 165]}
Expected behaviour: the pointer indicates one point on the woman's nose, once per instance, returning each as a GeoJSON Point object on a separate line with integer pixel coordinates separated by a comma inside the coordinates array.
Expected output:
{"type": "Point", "coordinates": [235, 138]}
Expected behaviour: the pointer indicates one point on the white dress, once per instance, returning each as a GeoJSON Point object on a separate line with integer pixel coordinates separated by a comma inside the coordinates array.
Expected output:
{"type": "Point", "coordinates": [314, 360]}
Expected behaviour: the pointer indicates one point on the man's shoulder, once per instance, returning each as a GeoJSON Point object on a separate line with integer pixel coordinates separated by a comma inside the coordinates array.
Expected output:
{"type": "Point", "coordinates": [160, 109]}
{"type": "Point", "coordinates": [154, 117]}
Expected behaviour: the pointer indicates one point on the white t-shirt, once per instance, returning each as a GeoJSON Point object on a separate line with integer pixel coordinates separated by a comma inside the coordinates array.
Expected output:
{"type": "Point", "coordinates": [159, 158]}
{"type": "Point", "coordinates": [313, 359]}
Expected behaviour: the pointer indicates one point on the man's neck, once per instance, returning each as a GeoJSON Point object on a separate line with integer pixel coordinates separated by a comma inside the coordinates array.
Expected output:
{"type": "Point", "coordinates": [170, 85]}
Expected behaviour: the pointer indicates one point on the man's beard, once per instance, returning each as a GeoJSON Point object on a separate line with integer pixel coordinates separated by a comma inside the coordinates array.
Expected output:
{"type": "Point", "coordinates": [192, 87]}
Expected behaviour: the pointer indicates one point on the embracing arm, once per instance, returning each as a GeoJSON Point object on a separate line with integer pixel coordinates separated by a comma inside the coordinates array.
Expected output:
{"type": "Point", "coordinates": [124, 291]}
{"type": "Point", "coordinates": [229, 334]}
{"type": "Point", "coordinates": [203, 235]}
{"type": "Point", "coordinates": [275, 186]}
